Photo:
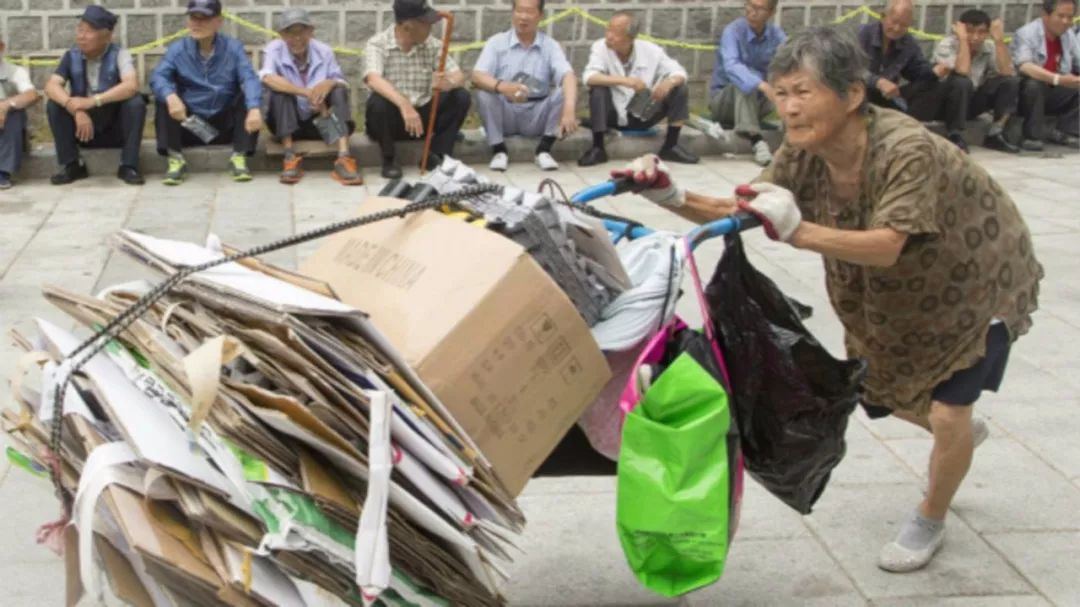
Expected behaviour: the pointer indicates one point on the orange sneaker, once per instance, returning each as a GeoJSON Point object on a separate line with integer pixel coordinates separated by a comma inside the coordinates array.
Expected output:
{"type": "Point", "coordinates": [292, 171]}
{"type": "Point", "coordinates": [346, 171]}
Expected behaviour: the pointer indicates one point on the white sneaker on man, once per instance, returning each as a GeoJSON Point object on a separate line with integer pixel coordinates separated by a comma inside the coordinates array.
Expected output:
{"type": "Point", "coordinates": [762, 155]}
{"type": "Point", "coordinates": [499, 162]}
{"type": "Point", "coordinates": [546, 162]}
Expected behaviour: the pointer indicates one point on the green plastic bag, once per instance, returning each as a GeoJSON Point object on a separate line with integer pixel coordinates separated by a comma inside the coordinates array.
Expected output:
{"type": "Point", "coordinates": [674, 513]}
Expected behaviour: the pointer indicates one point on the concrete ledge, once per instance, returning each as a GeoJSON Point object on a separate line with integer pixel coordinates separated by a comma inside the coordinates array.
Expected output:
{"type": "Point", "coordinates": [41, 162]}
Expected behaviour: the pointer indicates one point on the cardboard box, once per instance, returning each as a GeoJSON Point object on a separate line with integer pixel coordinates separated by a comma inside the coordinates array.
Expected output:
{"type": "Point", "coordinates": [484, 327]}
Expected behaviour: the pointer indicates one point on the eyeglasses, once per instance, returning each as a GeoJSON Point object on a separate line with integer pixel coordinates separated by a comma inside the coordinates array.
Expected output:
{"type": "Point", "coordinates": [757, 9]}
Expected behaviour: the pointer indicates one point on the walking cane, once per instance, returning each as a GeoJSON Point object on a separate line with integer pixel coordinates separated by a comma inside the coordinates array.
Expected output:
{"type": "Point", "coordinates": [447, 32]}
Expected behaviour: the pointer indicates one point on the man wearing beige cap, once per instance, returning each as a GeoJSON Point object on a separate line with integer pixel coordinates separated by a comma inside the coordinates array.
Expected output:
{"type": "Point", "coordinates": [306, 91]}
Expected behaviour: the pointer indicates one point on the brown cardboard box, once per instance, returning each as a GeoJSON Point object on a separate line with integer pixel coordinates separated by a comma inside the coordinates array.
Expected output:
{"type": "Point", "coordinates": [484, 327]}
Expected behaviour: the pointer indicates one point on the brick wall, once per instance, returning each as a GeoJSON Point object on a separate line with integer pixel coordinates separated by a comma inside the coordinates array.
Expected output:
{"type": "Point", "coordinates": [44, 28]}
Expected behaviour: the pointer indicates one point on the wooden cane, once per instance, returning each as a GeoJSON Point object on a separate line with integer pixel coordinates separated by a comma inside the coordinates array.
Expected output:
{"type": "Point", "coordinates": [447, 32]}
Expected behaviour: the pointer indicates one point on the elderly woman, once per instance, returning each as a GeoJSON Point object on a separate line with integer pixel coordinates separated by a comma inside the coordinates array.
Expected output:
{"type": "Point", "coordinates": [929, 264]}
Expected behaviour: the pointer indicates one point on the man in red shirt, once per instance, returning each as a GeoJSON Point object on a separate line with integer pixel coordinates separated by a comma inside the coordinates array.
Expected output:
{"type": "Point", "coordinates": [1045, 52]}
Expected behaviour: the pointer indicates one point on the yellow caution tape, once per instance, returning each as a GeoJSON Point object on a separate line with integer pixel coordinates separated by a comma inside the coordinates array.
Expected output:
{"type": "Point", "coordinates": [479, 44]}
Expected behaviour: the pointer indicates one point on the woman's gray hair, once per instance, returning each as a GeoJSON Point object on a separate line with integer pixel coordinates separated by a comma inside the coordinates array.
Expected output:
{"type": "Point", "coordinates": [830, 52]}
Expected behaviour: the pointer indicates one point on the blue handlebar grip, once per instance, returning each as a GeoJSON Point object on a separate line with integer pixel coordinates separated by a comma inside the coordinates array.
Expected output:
{"type": "Point", "coordinates": [721, 227]}
{"type": "Point", "coordinates": [611, 187]}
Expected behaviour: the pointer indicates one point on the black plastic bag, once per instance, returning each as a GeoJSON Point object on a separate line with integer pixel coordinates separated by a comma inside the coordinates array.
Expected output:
{"type": "Point", "coordinates": [792, 398]}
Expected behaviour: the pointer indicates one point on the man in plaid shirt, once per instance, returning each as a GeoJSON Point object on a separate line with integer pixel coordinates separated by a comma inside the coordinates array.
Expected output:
{"type": "Point", "coordinates": [401, 71]}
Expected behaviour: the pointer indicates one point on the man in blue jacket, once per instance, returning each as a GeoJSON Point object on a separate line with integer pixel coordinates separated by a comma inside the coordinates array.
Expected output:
{"type": "Point", "coordinates": [206, 75]}
{"type": "Point", "coordinates": [740, 94]}
{"type": "Point", "coordinates": [94, 100]}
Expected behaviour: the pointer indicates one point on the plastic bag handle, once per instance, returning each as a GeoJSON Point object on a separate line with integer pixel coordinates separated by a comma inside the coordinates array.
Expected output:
{"type": "Point", "coordinates": [706, 317]}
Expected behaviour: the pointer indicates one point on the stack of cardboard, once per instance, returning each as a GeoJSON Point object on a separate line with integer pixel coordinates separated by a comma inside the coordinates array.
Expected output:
{"type": "Point", "coordinates": [352, 436]}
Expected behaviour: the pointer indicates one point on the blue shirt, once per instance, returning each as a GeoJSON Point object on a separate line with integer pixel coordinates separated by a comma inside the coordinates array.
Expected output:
{"type": "Point", "coordinates": [504, 56]}
{"type": "Point", "coordinates": [207, 86]}
{"type": "Point", "coordinates": [742, 57]}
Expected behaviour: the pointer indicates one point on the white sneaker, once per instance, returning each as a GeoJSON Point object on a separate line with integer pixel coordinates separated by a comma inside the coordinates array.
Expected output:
{"type": "Point", "coordinates": [898, 559]}
{"type": "Point", "coordinates": [499, 162]}
{"type": "Point", "coordinates": [546, 162]}
{"type": "Point", "coordinates": [762, 155]}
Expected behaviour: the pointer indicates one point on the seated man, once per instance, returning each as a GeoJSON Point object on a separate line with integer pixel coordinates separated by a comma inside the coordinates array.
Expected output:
{"type": "Point", "coordinates": [206, 76]}
{"type": "Point", "coordinates": [507, 107]}
{"type": "Point", "coordinates": [305, 82]}
{"type": "Point", "coordinates": [401, 71]}
{"type": "Point", "coordinates": [620, 67]}
{"type": "Point", "coordinates": [984, 73]}
{"type": "Point", "coordinates": [16, 94]}
{"type": "Point", "coordinates": [894, 55]}
{"type": "Point", "coordinates": [1045, 52]}
{"type": "Point", "coordinates": [101, 106]}
{"type": "Point", "coordinates": [740, 94]}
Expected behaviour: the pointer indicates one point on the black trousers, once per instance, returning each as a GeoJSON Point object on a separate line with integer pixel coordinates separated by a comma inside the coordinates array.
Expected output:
{"type": "Point", "coordinates": [604, 116]}
{"type": "Point", "coordinates": [229, 123]}
{"type": "Point", "coordinates": [945, 100]}
{"type": "Point", "coordinates": [116, 125]}
{"type": "Point", "coordinates": [12, 141]}
{"type": "Point", "coordinates": [385, 126]}
{"type": "Point", "coordinates": [282, 113]}
{"type": "Point", "coordinates": [1039, 100]}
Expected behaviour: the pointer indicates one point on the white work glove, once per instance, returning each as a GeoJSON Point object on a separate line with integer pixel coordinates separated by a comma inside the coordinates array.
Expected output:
{"type": "Point", "coordinates": [653, 181]}
{"type": "Point", "coordinates": [774, 206]}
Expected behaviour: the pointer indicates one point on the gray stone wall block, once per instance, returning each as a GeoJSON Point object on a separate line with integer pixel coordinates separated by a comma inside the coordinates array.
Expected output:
{"type": "Point", "coordinates": [1016, 15]}
{"type": "Point", "coordinates": [568, 29]}
{"type": "Point", "coordinates": [12, 5]}
{"type": "Point", "coordinates": [141, 29]}
{"type": "Point", "coordinates": [46, 5]}
{"type": "Point", "coordinates": [465, 26]}
{"type": "Point", "coordinates": [328, 26]}
{"type": "Point", "coordinates": [725, 15]}
{"type": "Point", "coordinates": [699, 25]}
{"type": "Point", "coordinates": [360, 26]}
{"type": "Point", "coordinates": [81, 4]}
{"type": "Point", "coordinates": [61, 32]}
{"type": "Point", "coordinates": [666, 23]}
{"type": "Point", "coordinates": [268, 2]}
{"type": "Point", "coordinates": [493, 21]}
{"type": "Point", "coordinates": [822, 15]}
{"type": "Point", "coordinates": [248, 35]}
{"type": "Point", "coordinates": [24, 34]}
{"type": "Point", "coordinates": [792, 18]}
{"type": "Point", "coordinates": [171, 23]}
{"type": "Point", "coordinates": [936, 19]}
{"type": "Point", "coordinates": [156, 3]}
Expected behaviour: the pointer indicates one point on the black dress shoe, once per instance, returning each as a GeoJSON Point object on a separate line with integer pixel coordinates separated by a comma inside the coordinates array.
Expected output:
{"type": "Point", "coordinates": [69, 173]}
{"type": "Point", "coordinates": [592, 157]}
{"type": "Point", "coordinates": [958, 141]}
{"type": "Point", "coordinates": [390, 169]}
{"type": "Point", "coordinates": [1000, 143]}
{"type": "Point", "coordinates": [130, 175]}
{"type": "Point", "coordinates": [678, 154]}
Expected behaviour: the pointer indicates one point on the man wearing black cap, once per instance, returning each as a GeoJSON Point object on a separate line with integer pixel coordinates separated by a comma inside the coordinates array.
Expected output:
{"type": "Point", "coordinates": [206, 78]}
{"type": "Point", "coordinates": [401, 70]}
{"type": "Point", "coordinates": [94, 100]}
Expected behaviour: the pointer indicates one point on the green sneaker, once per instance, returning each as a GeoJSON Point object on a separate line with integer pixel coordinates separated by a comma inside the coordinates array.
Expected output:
{"type": "Point", "coordinates": [176, 172]}
{"type": "Point", "coordinates": [240, 170]}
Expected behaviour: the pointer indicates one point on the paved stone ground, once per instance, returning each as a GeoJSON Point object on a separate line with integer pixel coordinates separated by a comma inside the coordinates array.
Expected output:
{"type": "Point", "coordinates": [1014, 533]}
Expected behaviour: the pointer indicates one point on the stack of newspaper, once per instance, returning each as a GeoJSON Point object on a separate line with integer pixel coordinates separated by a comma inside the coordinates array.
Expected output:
{"type": "Point", "coordinates": [249, 441]}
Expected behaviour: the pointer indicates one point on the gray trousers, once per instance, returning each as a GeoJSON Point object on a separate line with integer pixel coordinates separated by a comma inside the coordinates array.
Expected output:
{"type": "Point", "coordinates": [282, 114]}
{"type": "Point", "coordinates": [502, 119]}
{"type": "Point", "coordinates": [734, 109]}
{"type": "Point", "coordinates": [12, 141]}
